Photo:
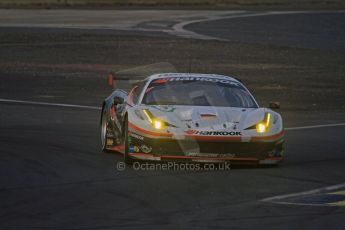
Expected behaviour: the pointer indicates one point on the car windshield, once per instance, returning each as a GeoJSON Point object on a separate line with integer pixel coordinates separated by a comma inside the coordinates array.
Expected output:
{"type": "Point", "coordinates": [197, 92]}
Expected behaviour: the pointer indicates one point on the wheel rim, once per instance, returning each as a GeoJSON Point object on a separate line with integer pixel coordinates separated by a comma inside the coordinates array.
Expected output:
{"type": "Point", "coordinates": [103, 131]}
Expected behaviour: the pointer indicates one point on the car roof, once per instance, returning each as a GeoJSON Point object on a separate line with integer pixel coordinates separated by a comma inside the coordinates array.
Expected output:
{"type": "Point", "coordinates": [198, 75]}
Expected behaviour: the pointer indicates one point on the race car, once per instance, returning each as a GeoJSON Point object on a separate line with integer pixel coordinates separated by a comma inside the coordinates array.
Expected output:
{"type": "Point", "coordinates": [191, 117]}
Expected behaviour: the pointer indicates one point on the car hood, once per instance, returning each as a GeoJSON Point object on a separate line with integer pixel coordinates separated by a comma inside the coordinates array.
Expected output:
{"type": "Point", "coordinates": [208, 118]}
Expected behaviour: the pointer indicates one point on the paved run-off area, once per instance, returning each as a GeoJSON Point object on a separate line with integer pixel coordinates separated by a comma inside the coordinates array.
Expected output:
{"type": "Point", "coordinates": [216, 4]}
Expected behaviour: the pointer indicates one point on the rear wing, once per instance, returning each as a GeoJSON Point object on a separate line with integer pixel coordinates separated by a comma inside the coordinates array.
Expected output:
{"type": "Point", "coordinates": [124, 79]}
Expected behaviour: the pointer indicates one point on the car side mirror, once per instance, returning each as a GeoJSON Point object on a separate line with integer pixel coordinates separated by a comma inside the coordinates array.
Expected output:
{"type": "Point", "coordinates": [274, 105]}
{"type": "Point", "coordinates": [118, 100]}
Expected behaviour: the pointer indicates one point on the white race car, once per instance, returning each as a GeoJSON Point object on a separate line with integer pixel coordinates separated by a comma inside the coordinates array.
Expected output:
{"type": "Point", "coordinates": [191, 117]}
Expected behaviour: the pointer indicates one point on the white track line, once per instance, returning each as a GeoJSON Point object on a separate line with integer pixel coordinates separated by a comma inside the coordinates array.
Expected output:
{"type": "Point", "coordinates": [179, 28]}
{"type": "Point", "coordinates": [49, 104]}
{"type": "Point", "coordinates": [99, 108]}
{"type": "Point", "coordinates": [276, 199]}
{"type": "Point", "coordinates": [315, 126]}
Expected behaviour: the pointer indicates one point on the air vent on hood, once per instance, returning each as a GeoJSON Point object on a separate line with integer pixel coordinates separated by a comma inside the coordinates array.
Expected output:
{"type": "Point", "coordinates": [208, 115]}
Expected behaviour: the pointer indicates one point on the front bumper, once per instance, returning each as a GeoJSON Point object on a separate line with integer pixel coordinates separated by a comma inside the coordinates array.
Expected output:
{"type": "Point", "coordinates": [265, 152]}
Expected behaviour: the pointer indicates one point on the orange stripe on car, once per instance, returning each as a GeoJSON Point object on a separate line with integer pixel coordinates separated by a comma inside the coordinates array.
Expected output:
{"type": "Point", "coordinates": [118, 148]}
{"type": "Point", "coordinates": [161, 80]}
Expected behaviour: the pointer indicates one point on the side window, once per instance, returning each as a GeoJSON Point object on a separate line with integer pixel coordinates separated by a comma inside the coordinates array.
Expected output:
{"type": "Point", "coordinates": [137, 91]}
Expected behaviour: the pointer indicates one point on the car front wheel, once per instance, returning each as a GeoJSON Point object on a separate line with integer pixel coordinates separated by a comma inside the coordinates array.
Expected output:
{"type": "Point", "coordinates": [104, 130]}
{"type": "Point", "coordinates": [127, 159]}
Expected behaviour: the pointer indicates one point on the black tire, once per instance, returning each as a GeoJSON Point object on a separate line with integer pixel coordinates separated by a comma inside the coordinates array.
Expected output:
{"type": "Point", "coordinates": [104, 131]}
{"type": "Point", "coordinates": [126, 158]}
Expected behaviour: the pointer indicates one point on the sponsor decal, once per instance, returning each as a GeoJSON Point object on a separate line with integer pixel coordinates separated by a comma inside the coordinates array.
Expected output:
{"type": "Point", "coordinates": [110, 141]}
{"type": "Point", "coordinates": [190, 132]}
{"type": "Point", "coordinates": [213, 133]}
{"type": "Point", "coordinates": [209, 79]}
{"type": "Point", "coordinates": [136, 149]}
{"type": "Point", "coordinates": [215, 80]}
{"type": "Point", "coordinates": [146, 149]}
{"type": "Point", "coordinates": [137, 136]}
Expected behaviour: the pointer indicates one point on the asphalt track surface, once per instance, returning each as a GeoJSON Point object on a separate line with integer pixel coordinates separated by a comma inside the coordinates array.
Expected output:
{"type": "Point", "coordinates": [308, 30]}
{"type": "Point", "coordinates": [54, 176]}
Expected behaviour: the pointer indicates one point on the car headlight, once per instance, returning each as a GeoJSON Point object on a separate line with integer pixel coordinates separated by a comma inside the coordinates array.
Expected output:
{"type": "Point", "coordinates": [260, 128]}
{"type": "Point", "coordinates": [156, 122]}
{"type": "Point", "coordinates": [263, 126]}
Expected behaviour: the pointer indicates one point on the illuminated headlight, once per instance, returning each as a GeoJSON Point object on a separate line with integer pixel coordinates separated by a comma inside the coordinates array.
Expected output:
{"type": "Point", "coordinates": [156, 122]}
{"type": "Point", "coordinates": [260, 128]}
{"type": "Point", "coordinates": [263, 126]}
